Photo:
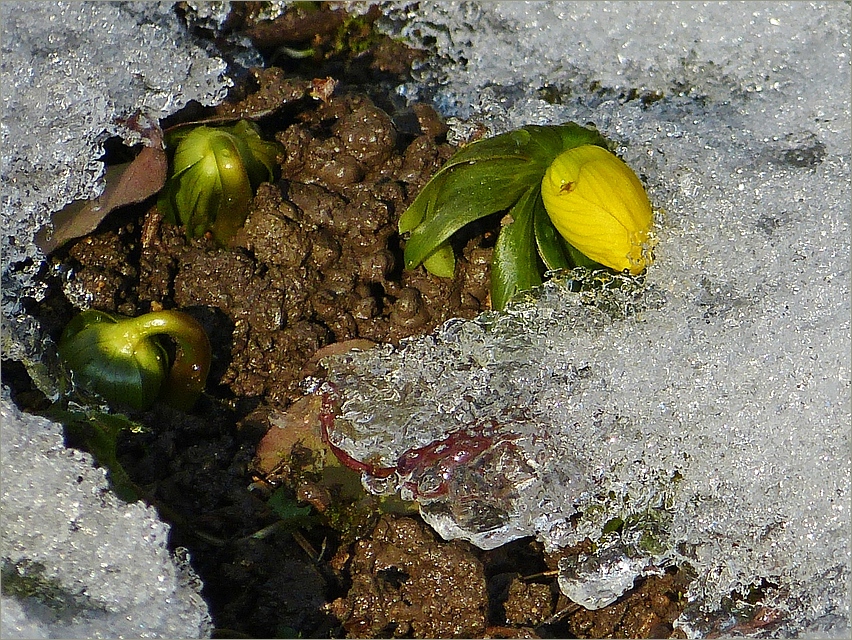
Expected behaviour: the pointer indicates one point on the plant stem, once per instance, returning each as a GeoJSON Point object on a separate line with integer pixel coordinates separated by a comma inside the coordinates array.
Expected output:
{"type": "Point", "coordinates": [188, 373]}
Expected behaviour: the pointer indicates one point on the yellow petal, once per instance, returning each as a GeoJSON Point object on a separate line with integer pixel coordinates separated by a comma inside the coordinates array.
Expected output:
{"type": "Point", "coordinates": [599, 206]}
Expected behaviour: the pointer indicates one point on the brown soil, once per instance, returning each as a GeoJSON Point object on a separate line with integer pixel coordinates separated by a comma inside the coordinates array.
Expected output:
{"type": "Point", "coordinates": [407, 584]}
{"type": "Point", "coordinates": [319, 262]}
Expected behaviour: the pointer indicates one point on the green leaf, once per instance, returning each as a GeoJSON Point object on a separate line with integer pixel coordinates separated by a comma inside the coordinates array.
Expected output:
{"type": "Point", "coordinates": [441, 262]}
{"type": "Point", "coordinates": [87, 319]}
{"type": "Point", "coordinates": [425, 201]}
{"type": "Point", "coordinates": [465, 196]}
{"type": "Point", "coordinates": [539, 144]}
{"type": "Point", "coordinates": [259, 155]}
{"type": "Point", "coordinates": [513, 144]}
{"type": "Point", "coordinates": [551, 246]}
{"type": "Point", "coordinates": [514, 267]}
{"type": "Point", "coordinates": [575, 135]}
{"type": "Point", "coordinates": [533, 143]}
{"type": "Point", "coordinates": [286, 508]}
{"type": "Point", "coordinates": [236, 191]}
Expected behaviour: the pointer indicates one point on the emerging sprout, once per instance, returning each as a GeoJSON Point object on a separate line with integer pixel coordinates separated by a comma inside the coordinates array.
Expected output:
{"type": "Point", "coordinates": [214, 174]}
{"type": "Point", "coordinates": [570, 201]}
{"type": "Point", "coordinates": [125, 361]}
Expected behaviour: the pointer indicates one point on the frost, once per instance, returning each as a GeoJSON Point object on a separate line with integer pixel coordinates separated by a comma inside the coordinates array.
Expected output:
{"type": "Point", "coordinates": [710, 407]}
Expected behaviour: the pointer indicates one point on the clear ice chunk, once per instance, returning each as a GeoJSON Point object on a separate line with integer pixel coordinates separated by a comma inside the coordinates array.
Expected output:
{"type": "Point", "coordinates": [597, 580]}
{"type": "Point", "coordinates": [465, 418]}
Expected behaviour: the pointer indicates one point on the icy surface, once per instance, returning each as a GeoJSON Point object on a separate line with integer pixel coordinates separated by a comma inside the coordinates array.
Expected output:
{"type": "Point", "coordinates": [70, 73]}
{"type": "Point", "coordinates": [103, 563]}
{"type": "Point", "coordinates": [710, 411]}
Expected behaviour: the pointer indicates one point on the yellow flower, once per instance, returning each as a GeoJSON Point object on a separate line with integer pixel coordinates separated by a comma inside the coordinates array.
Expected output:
{"type": "Point", "coordinates": [599, 206]}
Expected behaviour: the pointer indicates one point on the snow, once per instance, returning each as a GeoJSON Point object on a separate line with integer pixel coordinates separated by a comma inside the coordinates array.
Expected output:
{"type": "Point", "coordinates": [91, 566]}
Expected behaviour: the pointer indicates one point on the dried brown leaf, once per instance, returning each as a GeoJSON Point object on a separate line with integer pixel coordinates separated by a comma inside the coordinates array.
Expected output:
{"type": "Point", "coordinates": [127, 183]}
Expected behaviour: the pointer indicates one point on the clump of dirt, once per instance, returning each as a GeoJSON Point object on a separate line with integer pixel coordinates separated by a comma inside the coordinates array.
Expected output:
{"type": "Point", "coordinates": [407, 584]}
{"type": "Point", "coordinates": [528, 604]}
{"type": "Point", "coordinates": [319, 259]}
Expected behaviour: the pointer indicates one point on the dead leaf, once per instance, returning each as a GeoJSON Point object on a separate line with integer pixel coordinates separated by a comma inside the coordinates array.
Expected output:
{"type": "Point", "coordinates": [126, 183]}
{"type": "Point", "coordinates": [322, 88]}
{"type": "Point", "coordinates": [299, 425]}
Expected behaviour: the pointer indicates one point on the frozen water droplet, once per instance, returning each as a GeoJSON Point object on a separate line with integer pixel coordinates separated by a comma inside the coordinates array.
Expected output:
{"type": "Point", "coordinates": [599, 580]}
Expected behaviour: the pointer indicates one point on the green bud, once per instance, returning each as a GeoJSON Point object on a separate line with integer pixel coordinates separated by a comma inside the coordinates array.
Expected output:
{"type": "Point", "coordinates": [124, 360]}
{"type": "Point", "coordinates": [215, 172]}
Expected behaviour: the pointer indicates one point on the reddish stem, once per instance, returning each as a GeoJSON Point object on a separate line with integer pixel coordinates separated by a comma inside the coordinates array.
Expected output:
{"type": "Point", "coordinates": [327, 424]}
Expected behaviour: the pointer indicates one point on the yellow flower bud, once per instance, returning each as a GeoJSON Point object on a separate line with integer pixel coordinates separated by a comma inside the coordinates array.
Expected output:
{"type": "Point", "coordinates": [599, 206]}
